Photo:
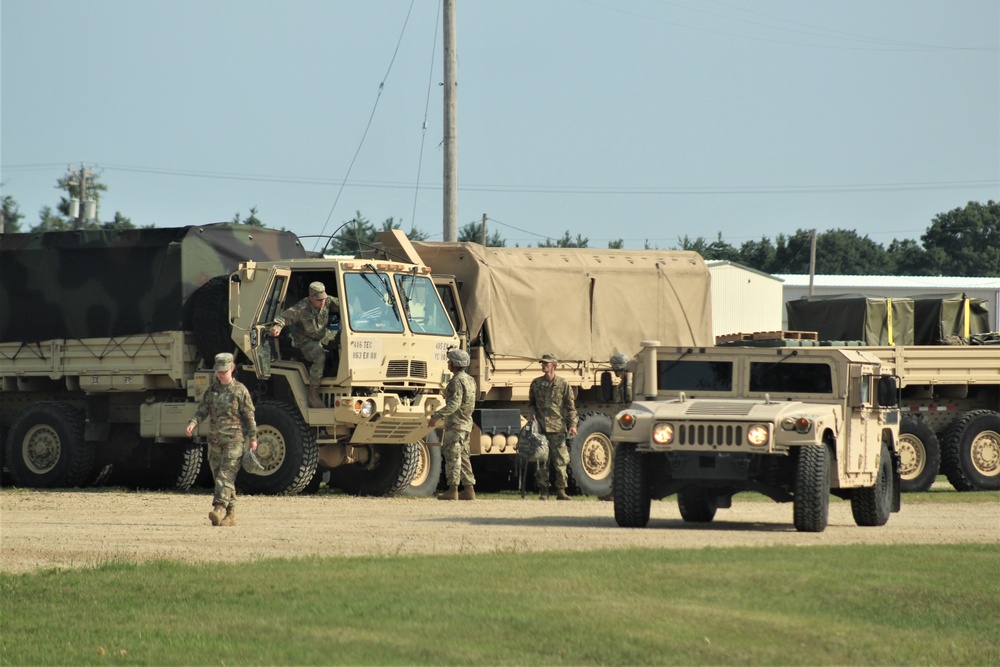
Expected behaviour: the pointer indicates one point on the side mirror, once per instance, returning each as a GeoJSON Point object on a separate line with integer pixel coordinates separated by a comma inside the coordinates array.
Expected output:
{"type": "Point", "coordinates": [607, 387]}
{"type": "Point", "coordinates": [888, 391]}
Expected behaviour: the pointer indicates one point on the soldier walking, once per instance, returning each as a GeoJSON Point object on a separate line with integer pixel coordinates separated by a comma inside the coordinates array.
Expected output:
{"type": "Point", "coordinates": [460, 399]}
{"type": "Point", "coordinates": [311, 316]}
{"type": "Point", "coordinates": [229, 406]}
{"type": "Point", "coordinates": [551, 401]}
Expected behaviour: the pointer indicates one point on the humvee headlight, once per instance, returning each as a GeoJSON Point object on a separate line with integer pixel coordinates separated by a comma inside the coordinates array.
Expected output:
{"type": "Point", "coordinates": [800, 424]}
{"type": "Point", "coordinates": [626, 420]}
{"type": "Point", "coordinates": [663, 434]}
{"type": "Point", "coordinates": [368, 408]}
{"type": "Point", "coordinates": [757, 435]}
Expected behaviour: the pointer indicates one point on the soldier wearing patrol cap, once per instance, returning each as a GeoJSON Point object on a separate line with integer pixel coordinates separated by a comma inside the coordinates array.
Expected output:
{"type": "Point", "coordinates": [229, 406]}
{"type": "Point", "coordinates": [460, 399]}
{"type": "Point", "coordinates": [551, 401]}
{"type": "Point", "coordinates": [310, 318]}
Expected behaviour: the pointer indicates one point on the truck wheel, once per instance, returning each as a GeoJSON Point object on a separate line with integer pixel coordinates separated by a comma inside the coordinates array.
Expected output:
{"type": "Point", "coordinates": [632, 495]}
{"type": "Point", "coordinates": [696, 504]}
{"type": "Point", "coordinates": [591, 455]}
{"type": "Point", "coordinates": [811, 504]}
{"type": "Point", "coordinates": [389, 471]}
{"type": "Point", "coordinates": [210, 319]}
{"type": "Point", "coordinates": [871, 506]}
{"type": "Point", "coordinates": [919, 454]}
{"type": "Point", "coordinates": [428, 475]}
{"type": "Point", "coordinates": [45, 447]}
{"type": "Point", "coordinates": [287, 448]}
{"type": "Point", "coordinates": [971, 453]}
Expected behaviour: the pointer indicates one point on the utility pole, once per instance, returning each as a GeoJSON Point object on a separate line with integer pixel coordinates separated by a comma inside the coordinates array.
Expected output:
{"type": "Point", "coordinates": [812, 263]}
{"type": "Point", "coordinates": [80, 207]}
{"type": "Point", "coordinates": [484, 230]}
{"type": "Point", "coordinates": [450, 125]}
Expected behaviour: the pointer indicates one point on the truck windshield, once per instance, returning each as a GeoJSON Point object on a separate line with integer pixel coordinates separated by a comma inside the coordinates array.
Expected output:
{"type": "Point", "coordinates": [777, 377]}
{"type": "Point", "coordinates": [370, 304]}
{"type": "Point", "coordinates": [422, 306]}
{"type": "Point", "coordinates": [673, 375]}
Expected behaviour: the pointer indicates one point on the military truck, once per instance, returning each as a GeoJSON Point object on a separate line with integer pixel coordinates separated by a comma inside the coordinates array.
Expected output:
{"type": "Point", "coordinates": [512, 305]}
{"type": "Point", "coordinates": [106, 342]}
{"type": "Point", "coordinates": [794, 424]}
{"type": "Point", "coordinates": [948, 361]}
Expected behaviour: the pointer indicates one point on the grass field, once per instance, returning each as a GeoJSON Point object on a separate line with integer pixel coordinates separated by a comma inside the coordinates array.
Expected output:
{"type": "Point", "coordinates": [901, 605]}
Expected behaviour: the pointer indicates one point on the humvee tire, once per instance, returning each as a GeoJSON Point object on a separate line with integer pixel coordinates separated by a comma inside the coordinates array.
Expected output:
{"type": "Point", "coordinates": [632, 494]}
{"type": "Point", "coordinates": [971, 452]}
{"type": "Point", "coordinates": [287, 448]}
{"type": "Point", "coordinates": [696, 504]}
{"type": "Point", "coordinates": [46, 449]}
{"type": "Point", "coordinates": [591, 455]}
{"type": "Point", "coordinates": [871, 506]}
{"type": "Point", "coordinates": [919, 453]}
{"type": "Point", "coordinates": [811, 504]}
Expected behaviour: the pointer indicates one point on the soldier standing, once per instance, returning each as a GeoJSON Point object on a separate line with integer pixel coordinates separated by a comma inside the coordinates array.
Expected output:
{"type": "Point", "coordinates": [552, 405]}
{"type": "Point", "coordinates": [311, 316]}
{"type": "Point", "coordinates": [460, 399]}
{"type": "Point", "coordinates": [227, 403]}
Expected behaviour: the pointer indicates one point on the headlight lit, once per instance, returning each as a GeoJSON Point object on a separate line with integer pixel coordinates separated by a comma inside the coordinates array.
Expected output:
{"type": "Point", "coordinates": [663, 434]}
{"type": "Point", "coordinates": [757, 435]}
{"type": "Point", "coordinates": [368, 408]}
{"type": "Point", "coordinates": [626, 420]}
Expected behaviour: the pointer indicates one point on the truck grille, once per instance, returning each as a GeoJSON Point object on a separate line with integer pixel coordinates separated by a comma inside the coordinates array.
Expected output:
{"type": "Point", "coordinates": [710, 434]}
{"type": "Point", "coordinates": [401, 368]}
{"type": "Point", "coordinates": [721, 408]}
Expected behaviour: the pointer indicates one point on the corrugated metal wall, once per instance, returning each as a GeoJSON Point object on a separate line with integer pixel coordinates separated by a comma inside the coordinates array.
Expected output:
{"type": "Point", "coordinates": [744, 300]}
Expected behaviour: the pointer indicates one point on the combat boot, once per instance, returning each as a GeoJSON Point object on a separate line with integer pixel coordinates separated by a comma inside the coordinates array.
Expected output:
{"type": "Point", "coordinates": [230, 518]}
{"type": "Point", "coordinates": [217, 514]}
{"type": "Point", "coordinates": [561, 494]}
{"type": "Point", "coordinates": [314, 398]}
{"type": "Point", "coordinates": [468, 493]}
{"type": "Point", "coordinates": [543, 493]}
{"type": "Point", "coordinates": [450, 494]}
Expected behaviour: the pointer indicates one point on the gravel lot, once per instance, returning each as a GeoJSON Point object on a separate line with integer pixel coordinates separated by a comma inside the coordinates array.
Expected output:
{"type": "Point", "coordinates": [72, 528]}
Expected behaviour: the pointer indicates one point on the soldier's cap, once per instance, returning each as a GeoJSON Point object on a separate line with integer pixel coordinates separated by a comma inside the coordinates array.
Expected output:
{"type": "Point", "coordinates": [618, 362]}
{"type": "Point", "coordinates": [549, 359]}
{"type": "Point", "coordinates": [317, 290]}
{"type": "Point", "coordinates": [458, 357]}
{"type": "Point", "coordinates": [223, 361]}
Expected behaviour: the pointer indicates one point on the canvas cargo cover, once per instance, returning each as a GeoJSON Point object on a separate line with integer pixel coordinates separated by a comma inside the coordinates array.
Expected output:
{"type": "Point", "coordinates": [851, 317]}
{"type": "Point", "coordinates": [937, 318]}
{"type": "Point", "coordinates": [577, 303]}
{"type": "Point", "coordinates": [106, 283]}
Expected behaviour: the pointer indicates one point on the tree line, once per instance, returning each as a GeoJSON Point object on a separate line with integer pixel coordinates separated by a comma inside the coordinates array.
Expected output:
{"type": "Point", "coordinates": [961, 242]}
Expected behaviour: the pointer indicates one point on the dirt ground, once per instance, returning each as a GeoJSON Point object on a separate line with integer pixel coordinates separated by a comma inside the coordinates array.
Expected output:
{"type": "Point", "coordinates": [64, 529]}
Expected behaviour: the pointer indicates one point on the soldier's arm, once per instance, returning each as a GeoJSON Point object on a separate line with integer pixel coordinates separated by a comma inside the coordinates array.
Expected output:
{"type": "Point", "coordinates": [570, 406]}
{"type": "Point", "coordinates": [452, 402]}
{"type": "Point", "coordinates": [247, 416]}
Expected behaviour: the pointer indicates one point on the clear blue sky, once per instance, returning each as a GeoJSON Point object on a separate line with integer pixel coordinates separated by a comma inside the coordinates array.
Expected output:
{"type": "Point", "coordinates": [632, 119]}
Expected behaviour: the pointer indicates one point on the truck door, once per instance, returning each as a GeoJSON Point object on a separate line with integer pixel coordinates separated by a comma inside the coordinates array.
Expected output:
{"type": "Point", "coordinates": [448, 289]}
{"type": "Point", "coordinates": [263, 346]}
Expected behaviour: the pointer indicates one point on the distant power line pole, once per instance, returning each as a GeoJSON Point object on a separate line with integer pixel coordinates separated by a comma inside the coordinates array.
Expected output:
{"type": "Point", "coordinates": [483, 235]}
{"type": "Point", "coordinates": [80, 207]}
{"type": "Point", "coordinates": [450, 125]}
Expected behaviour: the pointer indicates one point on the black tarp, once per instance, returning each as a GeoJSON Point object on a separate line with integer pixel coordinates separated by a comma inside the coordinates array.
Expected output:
{"type": "Point", "coordinates": [853, 317]}
{"type": "Point", "coordinates": [938, 319]}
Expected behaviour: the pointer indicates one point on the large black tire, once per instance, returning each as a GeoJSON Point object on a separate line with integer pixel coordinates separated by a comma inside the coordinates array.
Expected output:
{"type": "Point", "coordinates": [970, 455]}
{"type": "Point", "coordinates": [872, 506]}
{"type": "Point", "coordinates": [287, 448]}
{"type": "Point", "coordinates": [387, 474]}
{"type": "Point", "coordinates": [591, 455]}
{"type": "Point", "coordinates": [210, 319]}
{"type": "Point", "coordinates": [632, 493]}
{"type": "Point", "coordinates": [919, 454]}
{"type": "Point", "coordinates": [428, 476]}
{"type": "Point", "coordinates": [697, 505]}
{"type": "Point", "coordinates": [811, 504]}
{"type": "Point", "coordinates": [45, 447]}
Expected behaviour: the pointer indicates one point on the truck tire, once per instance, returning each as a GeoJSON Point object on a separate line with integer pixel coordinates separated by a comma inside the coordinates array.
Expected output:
{"type": "Point", "coordinates": [811, 503]}
{"type": "Point", "coordinates": [45, 447]}
{"type": "Point", "coordinates": [872, 506]}
{"type": "Point", "coordinates": [697, 504]}
{"type": "Point", "coordinates": [210, 319]}
{"type": "Point", "coordinates": [428, 475]}
{"type": "Point", "coordinates": [390, 470]}
{"type": "Point", "coordinates": [919, 453]}
{"type": "Point", "coordinates": [591, 455]}
{"type": "Point", "coordinates": [287, 448]}
{"type": "Point", "coordinates": [632, 493]}
{"type": "Point", "coordinates": [970, 456]}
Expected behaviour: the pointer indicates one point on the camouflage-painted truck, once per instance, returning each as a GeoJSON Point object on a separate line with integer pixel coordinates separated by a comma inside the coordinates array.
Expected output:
{"type": "Point", "coordinates": [794, 424]}
{"type": "Point", "coordinates": [106, 342]}
{"type": "Point", "coordinates": [512, 305]}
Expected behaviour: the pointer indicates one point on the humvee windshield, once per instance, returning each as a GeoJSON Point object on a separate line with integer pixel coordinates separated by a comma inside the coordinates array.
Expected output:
{"type": "Point", "coordinates": [680, 375]}
{"type": "Point", "coordinates": [371, 307]}
{"type": "Point", "coordinates": [778, 377]}
{"type": "Point", "coordinates": [422, 306]}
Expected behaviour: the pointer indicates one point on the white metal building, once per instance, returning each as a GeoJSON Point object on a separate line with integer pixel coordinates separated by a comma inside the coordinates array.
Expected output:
{"type": "Point", "coordinates": [744, 300]}
{"type": "Point", "coordinates": [796, 286]}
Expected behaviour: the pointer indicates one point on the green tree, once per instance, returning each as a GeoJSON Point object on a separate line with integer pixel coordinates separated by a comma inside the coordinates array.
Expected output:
{"type": "Point", "coordinates": [60, 220]}
{"type": "Point", "coordinates": [12, 215]}
{"type": "Point", "coordinates": [908, 258]}
{"type": "Point", "coordinates": [965, 241]}
{"type": "Point", "coordinates": [618, 244]}
{"type": "Point", "coordinates": [251, 219]}
{"type": "Point", "coordinates": [757, 254]}
{"type": "Point", "coordinates": [566, 242]}
{"type": "Point", "coordinates": [359, 235]}
{"type": "Point", "coordinates": [473, 233]}
{"type": "Point", "coordinates": [843, 252]}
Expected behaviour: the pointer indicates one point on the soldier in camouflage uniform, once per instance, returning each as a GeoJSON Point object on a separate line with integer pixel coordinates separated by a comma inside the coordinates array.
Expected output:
{"type": "Point", "coordinates": [460, 399]}
{"type": "Point", "coordinates": [227, 403]}
{"type": "Point", "coordinates": [310, 318]}
{"type": "Point", "coordinates": [551, 401]}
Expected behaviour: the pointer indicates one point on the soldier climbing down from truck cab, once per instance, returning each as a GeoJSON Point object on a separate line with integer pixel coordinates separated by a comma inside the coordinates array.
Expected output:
{"type": "Point", "coordinates": [310, 333]}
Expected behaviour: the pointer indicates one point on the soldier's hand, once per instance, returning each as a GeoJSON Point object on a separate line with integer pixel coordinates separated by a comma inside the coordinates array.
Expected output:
{"type": "Point", "coordinates": [190, 430]}
{"type": "Point", "coordinates": [431, 421]}
{"type": "Point", "coordinates": [275, 330]}
{"type": "Point", "coordinates": [253, 445]}
{"type": "Point", "coordinates": [572, 431]}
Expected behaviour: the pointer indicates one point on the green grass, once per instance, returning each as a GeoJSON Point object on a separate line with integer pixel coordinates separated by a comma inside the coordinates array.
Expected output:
{"type": "Point", "coordinates": [876, 605]}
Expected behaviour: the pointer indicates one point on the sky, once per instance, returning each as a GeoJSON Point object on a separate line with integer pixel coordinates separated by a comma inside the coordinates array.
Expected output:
{"type": "Point", "coordinates": [648, 121]}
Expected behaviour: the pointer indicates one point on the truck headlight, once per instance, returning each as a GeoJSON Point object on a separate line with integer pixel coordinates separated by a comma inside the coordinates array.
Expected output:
{"type": "Point", "coordinates": [368, 408]}
{"type": "Point", "coordinates": [757, 435]}
{"type": "Point", "coordinates": [663, 434]}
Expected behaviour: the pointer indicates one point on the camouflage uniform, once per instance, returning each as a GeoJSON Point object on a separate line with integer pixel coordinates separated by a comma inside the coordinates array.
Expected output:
{"type": "Point", "coordinates": [553, 405]}
{"type": "Point", "coordinates": [460, 399]}
{"type": "Point", "coordinates": [230, 408]}
{"type": "Point", "coordinates": [310, 333]}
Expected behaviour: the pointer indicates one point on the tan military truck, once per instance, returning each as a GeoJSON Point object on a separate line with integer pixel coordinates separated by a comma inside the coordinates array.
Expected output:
{"type": "Point", "coordinates": [794, 424]}
{"type": "Point", "coordinates": [113, 355]}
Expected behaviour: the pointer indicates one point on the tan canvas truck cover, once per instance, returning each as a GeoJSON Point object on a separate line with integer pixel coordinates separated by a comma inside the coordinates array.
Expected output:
{"type": "Point", "coordinates": [579, 304]}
